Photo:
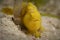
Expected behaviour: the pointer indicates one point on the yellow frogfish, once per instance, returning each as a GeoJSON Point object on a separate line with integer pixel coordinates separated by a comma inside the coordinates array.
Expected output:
{"type": "Point", "coordinates": [32, 20]}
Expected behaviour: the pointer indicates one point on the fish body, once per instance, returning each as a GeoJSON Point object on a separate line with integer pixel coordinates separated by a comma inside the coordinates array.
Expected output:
{"type": "Point", "coordinates": [32, 20]}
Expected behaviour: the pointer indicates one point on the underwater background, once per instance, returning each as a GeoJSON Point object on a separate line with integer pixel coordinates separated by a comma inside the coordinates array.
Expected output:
{"type": "Point", "coordinates": [50, 14]}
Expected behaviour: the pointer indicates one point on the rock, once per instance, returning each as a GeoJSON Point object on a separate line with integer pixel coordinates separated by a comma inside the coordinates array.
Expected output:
{"type": "Point", "coordinates": [9, 31]}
